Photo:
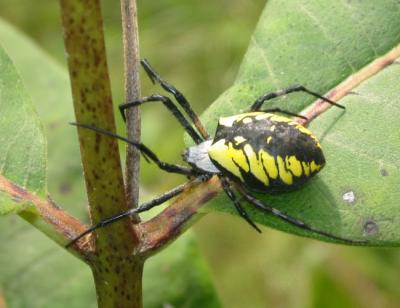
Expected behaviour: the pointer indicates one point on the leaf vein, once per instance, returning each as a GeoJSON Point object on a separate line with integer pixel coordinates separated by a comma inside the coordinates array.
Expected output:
{"type": "Point", "coordinates": [266, 61]}
{"type": "Point", "coordinates": [11, 144]}
{"type": "Point", "coordinates": [361, 26]}
{"type": "Point", "coordinates": [324, 32]}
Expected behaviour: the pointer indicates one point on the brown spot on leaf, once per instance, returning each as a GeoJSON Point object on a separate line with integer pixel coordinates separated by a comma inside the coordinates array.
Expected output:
{"type": "Point", "coordinates": [384, 172]}
{"type": "Point", "coordinates": [65, 188]}
{"type": "Point", "coordinates": [370, 227]}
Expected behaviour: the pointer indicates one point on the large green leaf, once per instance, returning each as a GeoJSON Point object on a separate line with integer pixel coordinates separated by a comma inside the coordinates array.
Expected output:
{"type": "Point", "coordinates": [319, 44]}
{"type": "Point", "coordinates": [27, 254]}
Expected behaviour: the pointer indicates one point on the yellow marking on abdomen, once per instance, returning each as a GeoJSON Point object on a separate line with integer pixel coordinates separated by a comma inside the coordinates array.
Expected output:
{"type": "Point", "coordinates": [314, 166]}
{"type": "Point", "coordinates": [285, 176]}
{"type": "Point", "coordinates": [269, 164]}
{"type": "Point", "coordinates": [228, 121]}
{"type": "Point", "coordinates": [306, 167]}
{"type": "Point", "coordinates": [309, 133]}
{"type": "Point", "coordinates": [278, 118]}
{"type": "Point", "coordinates": [256, 167]}
{"type": "Point", "coordinates": [298, 126]}
{"type": "Point", "coordinates": [294, 165]}
{"type": "Point", "coordinates": [239, 140]}
{"type": "Point", "coordinates": [229, 158]}
{"type": "Point", "coordinates": [263, 116]}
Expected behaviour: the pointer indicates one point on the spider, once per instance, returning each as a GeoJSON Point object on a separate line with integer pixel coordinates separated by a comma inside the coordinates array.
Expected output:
{"type": "Point", "coordinates": [256, 151]}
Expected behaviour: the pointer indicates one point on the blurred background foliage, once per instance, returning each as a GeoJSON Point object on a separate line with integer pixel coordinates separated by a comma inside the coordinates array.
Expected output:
{"type": "Point", "coordinates": [198, 46]}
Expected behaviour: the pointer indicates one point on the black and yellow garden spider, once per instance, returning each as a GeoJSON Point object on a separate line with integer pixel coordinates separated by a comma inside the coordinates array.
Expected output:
{"type": "Point", "coordinates": [255, 151]}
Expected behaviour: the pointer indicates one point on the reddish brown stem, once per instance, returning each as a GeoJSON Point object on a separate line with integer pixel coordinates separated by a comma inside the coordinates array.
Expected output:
{"type": "Point", "coordinates": [52, 219]}
{"type": "Point", "coordinates": [176, 218]}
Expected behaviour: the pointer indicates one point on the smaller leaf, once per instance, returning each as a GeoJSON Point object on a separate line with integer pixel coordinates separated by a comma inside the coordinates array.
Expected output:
{"type": "Point", "coordinates": [178, 276]}
{"type": "Point", "coordinates": [22, 143]}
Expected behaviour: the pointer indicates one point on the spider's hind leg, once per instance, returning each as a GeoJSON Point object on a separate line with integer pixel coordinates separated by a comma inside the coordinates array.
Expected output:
{"type": "Point", "coordinates": [294, 221]}
{"type": "Point", "coordinates": [285, 112]}
{"type": "Point", "coordinates": [295, 88]}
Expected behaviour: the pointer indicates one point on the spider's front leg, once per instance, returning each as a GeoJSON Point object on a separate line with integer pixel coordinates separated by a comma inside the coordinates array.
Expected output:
{"type": "Point", "coordinates": [180, 98]}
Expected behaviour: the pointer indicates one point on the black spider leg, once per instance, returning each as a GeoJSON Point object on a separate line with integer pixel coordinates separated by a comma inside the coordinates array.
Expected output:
{"type": "Point", "coordinates": [285, 112]}
{"type": "Point", "coordinates": [295, 88]}
{"type": "Point", "coordinates": [146, 152]}
{"type": "Point", "coordinates": [170, 106]}
{"type": "Point", "coordinates": [262, 206]}
{"type": "Point", "coordinates": [180, 98]}
{"type": "Point", "coordinates": [231, 194]}
{"type": "Point", "coordinates": [144, 207]}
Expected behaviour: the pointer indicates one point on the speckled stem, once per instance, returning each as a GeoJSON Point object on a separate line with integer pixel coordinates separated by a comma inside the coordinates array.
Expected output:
{"type": "Point", "coordinates": [115, 271]}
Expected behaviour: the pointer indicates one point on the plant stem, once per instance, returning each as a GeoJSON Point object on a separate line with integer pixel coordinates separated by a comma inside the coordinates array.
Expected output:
{"type": "Point", "coordinates": [175, 219]}
{"type": "Point", "coordinates": [132, 92]}
{"type": "Point", "coordinates": [116, 272]}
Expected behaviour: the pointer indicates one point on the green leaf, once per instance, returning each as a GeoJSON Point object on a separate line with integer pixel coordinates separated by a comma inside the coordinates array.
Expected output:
{"type": "Point", "coordinates": [178, 277]}
{"type": "Point", "coordinates": [22, 144]}
{"type": "Point", "coordinates": [29, 255]}
{"type": "Point", "coordinates": [51, 96]}
{"type": "Point", "coordinates": [319, 44]}
{"type": "Point", "coordinates": [36, 272]}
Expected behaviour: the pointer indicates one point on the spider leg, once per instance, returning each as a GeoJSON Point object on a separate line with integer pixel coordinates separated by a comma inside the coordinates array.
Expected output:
{"type": "Point", "coordinates": [285, 112]}
{"type": "Point", "coordinates": [145, 151]}
{"type": "Point", "coordinates": [144, 207]}
{"type": "Point", "coordinates": [180, 98]}
{"type": "Point", "coordinates": [294, 221]}
{"type": "Point", "coordinates": [170, 106]}
{"type": "Point", "coordinates": [295, 88]}
{"type": "Point", "coordinates": [230, 193]}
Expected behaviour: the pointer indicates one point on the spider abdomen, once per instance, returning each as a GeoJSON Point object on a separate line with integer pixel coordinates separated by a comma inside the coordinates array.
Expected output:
{"type": "Point", "coordinates": [266, 152]}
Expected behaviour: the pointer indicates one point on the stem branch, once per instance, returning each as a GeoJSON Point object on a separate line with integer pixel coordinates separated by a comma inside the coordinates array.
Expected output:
{"type": "Point", "coordinates": [132, 92]}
